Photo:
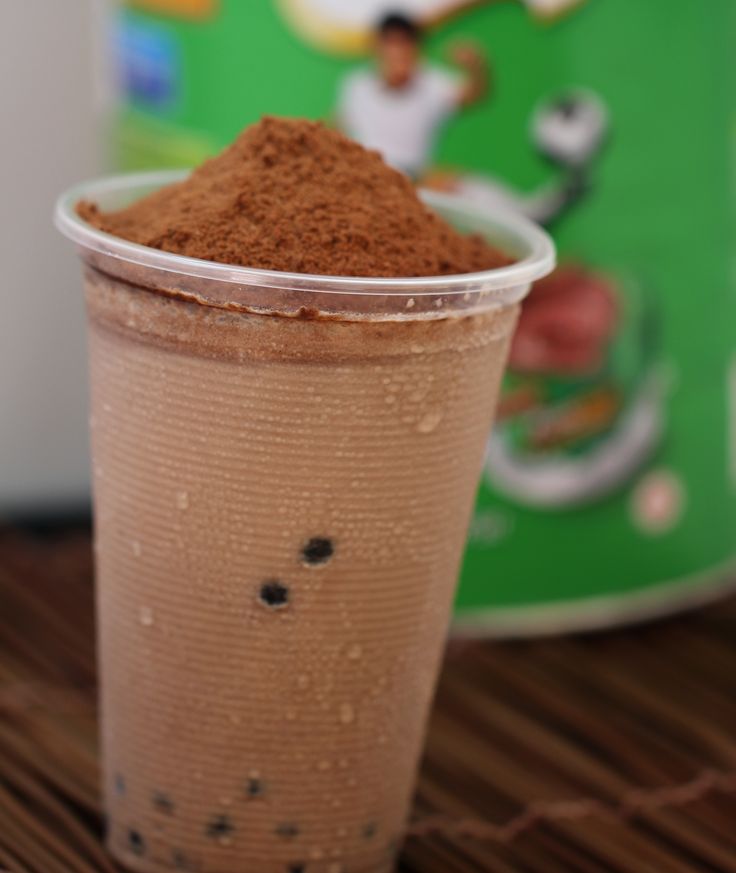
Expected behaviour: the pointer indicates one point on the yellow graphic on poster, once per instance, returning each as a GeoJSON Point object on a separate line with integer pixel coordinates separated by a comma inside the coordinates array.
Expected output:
{"type": "Point", "coordinates": [197, 9]}
{"type": "Point", "coordinates": [346, 27]}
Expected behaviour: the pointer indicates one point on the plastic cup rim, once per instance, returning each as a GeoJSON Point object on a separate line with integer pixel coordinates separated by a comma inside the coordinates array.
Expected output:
{"type": "Point", "coordinates": [538, 260]}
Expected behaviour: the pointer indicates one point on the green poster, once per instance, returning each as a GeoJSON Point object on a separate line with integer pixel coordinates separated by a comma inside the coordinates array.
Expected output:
{"type": "Point", "coordinates": [609, 490]}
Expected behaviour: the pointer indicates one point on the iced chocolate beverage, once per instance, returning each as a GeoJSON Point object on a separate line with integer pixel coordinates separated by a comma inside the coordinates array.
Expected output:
{"type": "Point", "coordinates": [284, 470]}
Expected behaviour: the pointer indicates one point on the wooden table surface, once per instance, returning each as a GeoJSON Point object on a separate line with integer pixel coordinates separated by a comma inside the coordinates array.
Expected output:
{"type": "Point", "coordinates": [613, 753]}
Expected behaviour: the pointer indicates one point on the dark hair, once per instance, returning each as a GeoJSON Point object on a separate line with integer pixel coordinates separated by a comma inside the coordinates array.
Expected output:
{"type": "Point", "coordinates": [395, 21]}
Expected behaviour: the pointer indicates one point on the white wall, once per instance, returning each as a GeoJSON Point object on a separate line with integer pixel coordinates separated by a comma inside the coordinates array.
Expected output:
{"type": "Point", "coordinates": [48, 133]}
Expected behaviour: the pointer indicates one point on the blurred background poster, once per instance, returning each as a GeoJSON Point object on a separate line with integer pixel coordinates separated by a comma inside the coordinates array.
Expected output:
{"type": "Point", "coordinates": [609, 121]}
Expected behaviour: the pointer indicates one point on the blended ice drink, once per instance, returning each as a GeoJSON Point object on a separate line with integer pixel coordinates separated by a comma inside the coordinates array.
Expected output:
{"type": "Point", "coordinates": [288, 424]}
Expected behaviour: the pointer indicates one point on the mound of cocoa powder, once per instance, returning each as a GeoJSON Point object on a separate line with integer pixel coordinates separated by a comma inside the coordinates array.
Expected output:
{"type": "Point", "coordinates": [294, 195]}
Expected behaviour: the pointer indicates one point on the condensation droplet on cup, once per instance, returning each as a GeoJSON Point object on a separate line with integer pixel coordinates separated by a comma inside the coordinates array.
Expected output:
{"type": "Point", "coordinates": [234, 718]}
{"type": "Point", "coordinates": [302, 681]}
{"type": "Point", "coordinates": [316, 853]}
{"type": "Point", "coordinates": [291, 715]}
{"type": "Point", "coordinates": [342, 832]}
{"type": "Point", "coordinates": [416, 348]}
{"type": "Point", "coordinates": [429, 421]}
{"type": "Point", "coordinates": [323, 766]}
{"type": "Point", "coordinates": [145, 615]}
{"type": "Point", "coordinates": [136, 548]}
{"type": "Point", "coordinates": [410, 303]}
{"type": "Point", "coordinates": [335, 867]}
{"type": "Point", "coordinates": [355, 652]}
{"type": "Point", "coordinates": [347, 713]}
{"type": "Point", "coordinates": [182, 500]}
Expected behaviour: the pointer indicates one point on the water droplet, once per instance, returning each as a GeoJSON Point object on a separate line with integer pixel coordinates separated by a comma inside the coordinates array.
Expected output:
{"type": "Point", "coordinates": [324, 766]}
{"type": "Point", "coordinates": [429, 421]}
{"type": "Point", "coordinates": [234, 718]}
{"type": "Point", "coordinates": [302, 681]}
{"type": "Point", "coordinates": [335, 867]}
{"type": "Point", "coordinates": [343, 763]}
{"type": "Point", "coordinates": [342, 832]}
{"type": "Point", "coordinates": [291, 715]}
{"type": "Point", "coordinates": [416, 348]}
{"type": "Point", "coordinates": [382, 739]}
{"type": "Point", "coordinates": [390, 398]}
{"type": "Point", "coordinates": [316, 854]}
{"type": "Point", "coordinates": [182, 500]}
{"type": "Point", "coordinates": [145, 615]}
{"type": "Point", "coordinates": [137, 548]}
{"type": "Point", "coordinates": [355, 652]}
{"type": "Point", "coordinates": [347, 713]}
{"type": "Point", "coordinates": [410, 303]}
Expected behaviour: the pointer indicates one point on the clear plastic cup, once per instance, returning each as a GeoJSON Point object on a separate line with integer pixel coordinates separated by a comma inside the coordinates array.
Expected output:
{"type": "Point", "coordinates": [284, 471]}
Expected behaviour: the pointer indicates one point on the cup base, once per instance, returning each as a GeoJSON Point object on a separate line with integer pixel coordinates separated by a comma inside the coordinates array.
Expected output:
{"type": "Point", "coordinates": [138, 864]}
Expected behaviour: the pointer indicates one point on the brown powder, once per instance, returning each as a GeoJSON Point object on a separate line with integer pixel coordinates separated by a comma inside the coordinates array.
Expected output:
{"type": "Point", "coordinates": [293, 195]}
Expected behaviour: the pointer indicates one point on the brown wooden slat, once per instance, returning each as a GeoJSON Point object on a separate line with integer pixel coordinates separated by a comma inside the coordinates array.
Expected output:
{"type": "Point", "coordinates": [593, 754]}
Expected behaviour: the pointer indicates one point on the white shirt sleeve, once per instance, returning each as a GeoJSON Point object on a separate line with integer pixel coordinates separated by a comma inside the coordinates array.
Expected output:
{"type": "Point", "coordinates": [444, 91]}
{"type": "Point", "coordinates": [346, 100]}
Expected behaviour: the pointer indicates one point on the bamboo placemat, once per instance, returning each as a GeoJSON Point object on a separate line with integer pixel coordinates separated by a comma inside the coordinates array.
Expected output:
{"type": "Point", "coordinates": [613, 753]}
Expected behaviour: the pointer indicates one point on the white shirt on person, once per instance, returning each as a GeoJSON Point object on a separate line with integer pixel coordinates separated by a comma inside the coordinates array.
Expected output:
{"type": "Point", "coordinates": [401, 123]}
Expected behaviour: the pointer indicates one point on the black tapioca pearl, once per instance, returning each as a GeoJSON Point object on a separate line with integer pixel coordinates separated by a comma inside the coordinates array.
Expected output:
{"type": "Point", "coordinates": [298, 867]}
{"type": "Point", "coordinates": [163, 802]}
{"type": "Point", "coordinates": [274, 594]}
{"type": "Point", "coordinates": [254, 788]}
{"type": "Point", "coordinates": [287, 830]}
{"type": "Point", "coordinates": [136, 843]}
{"type": "Point", "coordinates": [119, 785]}
{"type": "Point", "coordinates": [219, 826]}
{"type": "Point", "coordinates": [317, 550]}
{"type": "Point", "coordinates": [369, 830]}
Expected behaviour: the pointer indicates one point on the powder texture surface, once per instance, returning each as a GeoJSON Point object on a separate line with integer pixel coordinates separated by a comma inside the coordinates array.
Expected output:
{"type": "Point", "coordinates": [294, 195]}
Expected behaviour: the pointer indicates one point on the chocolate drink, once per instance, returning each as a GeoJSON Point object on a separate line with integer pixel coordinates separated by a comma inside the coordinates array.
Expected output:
{"type": "Point", "coordinates": [284, 469]}
{"type": "Point", "coordinates": [281, 508]}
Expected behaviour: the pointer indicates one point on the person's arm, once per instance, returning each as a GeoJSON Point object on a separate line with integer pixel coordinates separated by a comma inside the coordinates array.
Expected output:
{"type": "Point", "coordinates": [474, 64]}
